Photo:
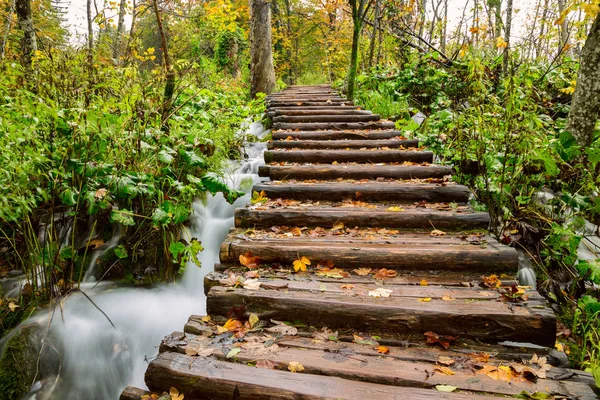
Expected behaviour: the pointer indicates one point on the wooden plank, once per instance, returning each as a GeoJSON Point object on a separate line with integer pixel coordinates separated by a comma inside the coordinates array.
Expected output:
{"type": "Point", "coordinates": [341, 156]}
{"type": "Point", "coordinates": [318, 126]}
{"type": "Point", "coordinates": [202, 378]}
{"type": "Point", "coordinates": [341, 144]}
{"type": "Point", "coordinates": [322, 103]}
{"type": "Point", "coordinates": [319, 111]}
{"type": "Point", "coordinates": [337, 135]}
{"type": "Point", "coordinates": [349, 171]}
{"type": "Point", "coordinates": [379, 191]}
{"type": "Point", "coordinates": [416, 257]}
{"type": "Point", "coordinates": [487, 321]}
{"type": "Point", "coordinates": [326, 118]}
{"type": "Point", "coordinates": [413, 218]}
{"type": "Point", "coordinates": [313, 108]}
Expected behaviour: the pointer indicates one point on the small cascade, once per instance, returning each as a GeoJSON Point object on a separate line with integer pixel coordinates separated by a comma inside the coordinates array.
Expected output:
{"type": "Point", "coordinates": [100, 251]}
{"type": "Point", "coordinates": [99, 361]}
{"type": "Point", "coordinates": [526, 274]}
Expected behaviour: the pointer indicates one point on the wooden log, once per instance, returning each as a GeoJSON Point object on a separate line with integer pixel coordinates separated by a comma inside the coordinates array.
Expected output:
{"type": "Point", "coordinates": [313, 108]}
{"type": "Point", "coordinates": [319, 111]}
{"type": "Point", "coordinates": [372, 191]}
{"type": "Point", "coordinates": [313, 216]}
{"type": "Point", "coordinates": [487, 321]}
{"type": "Point", "coordinates": [133, 393]}
{"type": "Point", "coordinates": [354, 171]}
{"type": "Point", "coordinates": [296, 103]}
{"type": "Point", "coordinates": [338, 135]}
{"type": "Point", "coordinates": [326, 118]}
{"type": "Point", "coordinates": [202, 378]}
{"type": "Point", "coordinates": [341, 144]}
{"type": "Point", "coordinates": [490, 258]}
{"type": "Point", "coordinates": [317, 126]}
{"type": "Point", "coordinates": [341, 156]}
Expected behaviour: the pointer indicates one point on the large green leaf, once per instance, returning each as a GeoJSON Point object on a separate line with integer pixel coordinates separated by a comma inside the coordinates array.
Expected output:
{"type": "Point", "coordinates": [123, 217]}
{"type": "Point", "coordinates": [214, 185]}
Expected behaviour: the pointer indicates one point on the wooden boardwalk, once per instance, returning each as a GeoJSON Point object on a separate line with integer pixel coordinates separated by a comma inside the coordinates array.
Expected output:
{"type": "Point", "coordinates": [394, 303]}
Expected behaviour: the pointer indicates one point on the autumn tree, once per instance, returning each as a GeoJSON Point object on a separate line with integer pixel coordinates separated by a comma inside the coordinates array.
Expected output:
{"type": "Point", "coordinates": [360, 8]}
{"type": "Point", "coordinates": [262, 71]}
{"type": "Point", "coordinates": [29, 40]}
{"type": "Point", "coordinates": [585, 105]}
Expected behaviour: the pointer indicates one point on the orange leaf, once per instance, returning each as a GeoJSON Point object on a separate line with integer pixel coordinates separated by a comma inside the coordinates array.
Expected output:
{"type": "Point", "coordinates": [423, 282]}
{"type": "Point", "coordinates": [347, 286]}
{"type": "Point", "coordinates": [232, 325]}
{"type": "Point", "coordinates": [362, 271]}
{"type": "Point", "coordinates": [383, 349]}
{"type": "Point", "coordinates": [444, 370]}
{"type": "Point", "coordinates": [247, 260]}
{"type": "Point", "coordinates": [384, 273]}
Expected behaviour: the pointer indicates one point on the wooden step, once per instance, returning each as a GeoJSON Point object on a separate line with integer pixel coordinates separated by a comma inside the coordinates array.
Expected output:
{"type": "Point", "coordinates": [326, 118]}
{"type": "Point", "coordinates": [319, 111]}
{"type": "Point", "coordinates": [338, 135]}
{"type": "Point", "coordinates": [351, 171]}
{"type": "Point", "coordinates": [317, 126]}
{"type": "Point", "coordinates": [342, 144]}
{"type": "Point", "coordinates": [327, 216]}
{"type": "Point", "coordinates": [208, 378]}
{"type": "Point", "coordinates": [370, 191]}
{"type": "Point", "coordinates": [341, 156]}
{"type": "Point", "coordinates": [424, 256]}
{"type": "Point", "coordinates": [309, 109]}
{"type": "Point", "coordinates": [296, 103]}
{"type": "Point", "coordinates": [484, 320]}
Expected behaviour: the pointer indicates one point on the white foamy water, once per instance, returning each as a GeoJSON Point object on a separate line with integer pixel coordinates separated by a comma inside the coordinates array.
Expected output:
{"type": "Point", "coordinates": [99, 361]}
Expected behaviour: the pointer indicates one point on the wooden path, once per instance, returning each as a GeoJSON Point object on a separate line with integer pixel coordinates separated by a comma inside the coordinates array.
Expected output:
{"type": "Point", "coordinates": [394, 303]}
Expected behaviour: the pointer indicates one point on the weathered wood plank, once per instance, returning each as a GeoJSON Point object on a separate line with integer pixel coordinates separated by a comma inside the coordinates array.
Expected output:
{"type": "Point", "coordinates": [133, 393]}
{"type": "Point", "coordinates": [341, 144]}
{"type": "Point", "coordinates": [313, 216]}
{"type": "Point", "coordinates": [319, 111]}
{"type": "Point", "coordinates": [294, 103]}
{"type": "Point", "coordinates": [350, 171]}
{"type": "Point", "coordinates": [416, 257]}
{"type": "Point", "coordinates": [202, 378]}
{"type": "Point", "coordinates": [341, 156]}
{"type": "Point", "coordinates": [318, 126]}
{"type": "Point", "coordinates": [326, 118]}
{"type": "Point", "coordinates": [377, 191]}
{"type": "Point", "coordinates": [481, 320]}
{"type": "Point", "coordinates": [337, 135]}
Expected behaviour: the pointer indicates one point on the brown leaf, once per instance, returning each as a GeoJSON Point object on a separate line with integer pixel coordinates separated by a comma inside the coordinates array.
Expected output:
{"type": "Point", "coordinates": [444, 370]}
{"type": "Point", "coordinates": [347, 286]}
{"type": "Point", "coordinates": [444, 360]}
{"type": "Point", "coordinates": [266, 364]}
{"type": "Point", "coordinates": [434, 338]}
{"type": "Point", "coordinates": [384, 273]}
{"type": "Point", "coordinates": [362, 271]}
{"type": "Point", "coordinates": [437, 232]}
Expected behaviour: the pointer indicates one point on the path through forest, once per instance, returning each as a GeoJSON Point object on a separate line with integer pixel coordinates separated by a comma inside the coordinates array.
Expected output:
{"type": "Point", "coordinates": [361, 271]}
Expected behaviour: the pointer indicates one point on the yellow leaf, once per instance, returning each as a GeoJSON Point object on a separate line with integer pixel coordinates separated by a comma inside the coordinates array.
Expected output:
{"type": "Point", "coordinates": [423, 282]}
{"type": "Point", "coordinates": [501, 43]}
{"type": "Point", "coordinates": [295, 366]}
{"type": "Point", "coordinates": [559, 346]}
{"type": "Point", "coordinates": [425, 299]}
{"type": "Point", "coordinates": [444, 370]}
{"type": "Point", "coordinates": [174, 393]}
{"type": "Point", "coordinates": [395, 209]}
{"type": "Point", "coordinates": [300, 264]}
{"type": "Point", "coordinates": [253, 320]}
{"type": "Point", "coordinates": [12, 306]}
{"type": "Point", "coordinates": [206, 318]}
{"type": "Point", "coordinates": [447, 297]}
{"type": "Point", "coordinates": [437, 232]}
{"type": "Point", "coordinates": [232, 325]}
{"type": "Point", "coordinates": [338, 226]}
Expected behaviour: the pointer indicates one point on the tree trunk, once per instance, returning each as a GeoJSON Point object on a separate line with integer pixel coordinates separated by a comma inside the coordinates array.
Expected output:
{"type": "Point", "coordinates": [444, 28]}
{"type": "Point", "coordinates": [375, 32]}
{"type": "Point", "coordinates": [354, 58]}
{"type": "Point", "coordinates": [509, 7]}
{"type": "Point", "coordinates": [288, 12]}
{"type": "Point", "coordinates": [423, 13]}
{"type": "Point", "coordinates": [120, 32]}
{"type": "Point", "coordinates": [564, 30]}
{"type": "Point", "coordinates": [543, 22]}
{"type": "Point", "coordinates": [170, 71]}
{"type": "Point", "coordinates": [586, 99]}
{"type": "Point", "coordinates": [262, 71]}
{"type": "Point", "coordinates": [29, 42]}
{"type": "Point", "coordinates": [130, 41]}
{"type": "Point", "coordinates": [7, 30]}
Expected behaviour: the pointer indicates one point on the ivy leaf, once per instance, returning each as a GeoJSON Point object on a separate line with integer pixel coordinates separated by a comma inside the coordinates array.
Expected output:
{"type": "Point", "coordinates": [122, 217]}
{"type": "Point", "coordinates": [120, 251]}
{"type": "Point", "coordinates": [195, 248]}
{"type": "Point", "coordinates": [177, 250]}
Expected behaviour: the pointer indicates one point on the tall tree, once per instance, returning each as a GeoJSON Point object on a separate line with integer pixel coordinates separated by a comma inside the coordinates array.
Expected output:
{"type": "Point", "coordinates": [375, 32]}
{"type": "Point", "coordinates": [29, 41]}
{"type": "Point", "coordinates": [509, 12]}
{"type": "Point", "coordinates": [585, 105]}
{"type": "Point", "coordinates": [262, 70]}
{"type": "Point", "coordinates": [359, 12]}
{"type": "Point", "coordinates": [120, 31]}
{"type": "Point", "coordinates": [564, 46]}
{"type": "Point", "coordinates": [169, 70]}
{"type": "Point", "coordinates": [11, 10]}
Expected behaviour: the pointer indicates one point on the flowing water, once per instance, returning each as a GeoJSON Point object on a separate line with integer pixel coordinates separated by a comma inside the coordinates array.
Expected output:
{"type": "Point", "coordinates": [99, 361]}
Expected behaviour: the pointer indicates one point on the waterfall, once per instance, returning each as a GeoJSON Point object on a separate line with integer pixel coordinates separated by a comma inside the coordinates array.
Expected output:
{"type": "Point", "coordinates": [99, 361]}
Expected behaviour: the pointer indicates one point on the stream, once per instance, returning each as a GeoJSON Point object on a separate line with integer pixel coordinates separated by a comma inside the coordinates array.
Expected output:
{"type": "Point", "coordinates": [99, 361]}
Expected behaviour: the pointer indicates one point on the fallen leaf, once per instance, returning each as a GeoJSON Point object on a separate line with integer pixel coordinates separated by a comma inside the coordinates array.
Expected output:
{"type": "Point", "coordinates": [100, 193]}
{"type": "Point", "coordinates": [338, 226]}
{"type": "Point", "coordinates": [301, 263]}
{"type": "Point", "coordinates": [206, 318]}
{"type": "Point", "coordinates": [266, 364]}
{"type": "Point", "coordinates": [12, 306]}
{"type": "Point", "coordinates": [247, 260]}
{"type": "Point", "coordinates": [295, 366]}
{"type": "Point", "coordinates": [232, 325]}
{"type": "Point", "coordinates": [325, 334]}
{"type": "Point", "coordinates": [175, 395]}
{"type": "Point", "coordinates": [395, 209]}
{"type": "Point", "coordinates": [282, 328]}
{"type": "Point", "coordinates": [481, 356]}
{"type": "Point", "coordinates": [425, 299]}
{"type": "Point", "coordinates": [233, 352]}
{"type": "Point", "coordinates": [437, 232]}
{"type": "Point", "coordinates": [360, 340]}
{"type": "Point", "coordinates": [423, 282]}
{"type": "Point", "coordinates": [383, 349]}
{"type": "Point", "coordinates": [447, 297]}
{"type": "Point", "coordinates": [446, 388]}
{"type": "Point", "coordinates": [491, 281]}
{"type": "Point", "coordinates": [196, 350]}
{"type": "Point", "coordinates": [444, 360]}
{"type": "Point", "coordinates": [384, 273]}
{"type": "Point", "coordinates": [251, 284]}
{"type": "Point", "coordinates": [380, 292]}
{"type": "Point", "coordinates": [434, 338]}
{"type": "Point", "coordinates": [347, 286]}
{"type": "Point", "coordinates": [362, 271]}
{"type": "Point", "coordinates": [253, 319]}
{"type": "Point", "coordinates": [251, 275]}
{"type": "Point", "coordinates": [444, 370]}
{"type": "Point", "coordinates": [259, 197]}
